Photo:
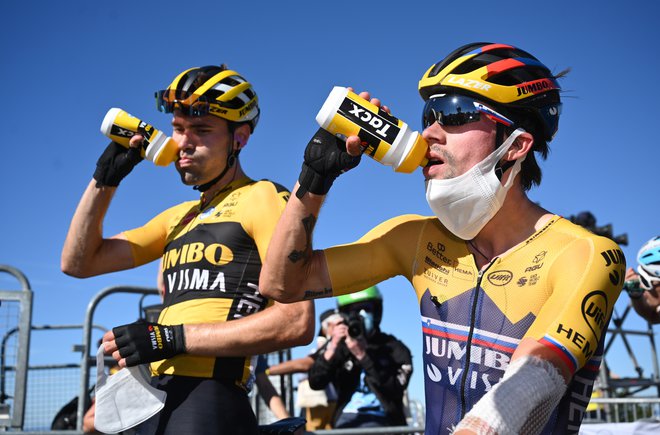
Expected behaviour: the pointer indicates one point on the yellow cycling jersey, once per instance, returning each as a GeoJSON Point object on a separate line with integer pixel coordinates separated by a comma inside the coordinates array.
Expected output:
{"type": "Point", "coordinates": [211, 260]}
{"type": "Point", "coordinates": [558, 287]}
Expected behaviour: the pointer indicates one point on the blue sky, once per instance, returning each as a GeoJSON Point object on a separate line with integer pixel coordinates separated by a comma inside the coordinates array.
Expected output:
{"type": "Point", "coordinates": [66, 63]}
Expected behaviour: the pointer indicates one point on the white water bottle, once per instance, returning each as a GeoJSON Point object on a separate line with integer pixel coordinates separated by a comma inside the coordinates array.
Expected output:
{"type": "Point", "coordinates": [388, 140]}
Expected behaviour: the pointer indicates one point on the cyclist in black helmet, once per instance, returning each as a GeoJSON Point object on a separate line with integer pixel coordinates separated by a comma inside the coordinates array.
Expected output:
{"type": "Point", "coordinates": [214, 318]}
{"type": "Point", "coordinates": [514, 300]}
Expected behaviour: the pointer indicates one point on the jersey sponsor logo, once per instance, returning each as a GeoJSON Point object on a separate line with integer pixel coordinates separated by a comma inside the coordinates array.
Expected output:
{"type": "Point", "coordinates": [532, 280]}
{"type": "Point", "coordinates": [594, 311]}
{"type": "Point", "coordinates": [581, 389]}
{"type": "Point", "coordinates": [463, 273]}
{"type": "Point", "coordinates": [539, 257]}
{"type": "Point", "coordinates": [215, 253]}
{"type": "Point", "coordinates": [481, 381]}
{"type": "Point", "coordinates": [195, 279]}
{"type": "Point", "coordinates": [540, 232]}
{"type": "Point", "coordinates": [580, 341]}
{"type": "Point", "coordinates": [469, 83]}
{"type": "Point", "coordinates": [500, 278]}
{"type": "Point", "coordinates": [616, 276]}
{"type": "Point", "coordinates": [437, 251]}
{"type": "Point", "coordinates": [613, 256]}
{"type": "Point", "coordinates": [453, 350]}
{"type": "Point", "coordinates": [432, 272]}
{"type": "Point", "coordinates": [440, 268]}
{"type": "Point", "coordinates": [533, 268]}
{"type": "Point", "coordinates": [249, 303]}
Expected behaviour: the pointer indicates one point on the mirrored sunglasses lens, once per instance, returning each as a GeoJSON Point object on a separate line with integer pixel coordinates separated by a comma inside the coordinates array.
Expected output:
{"type": "Point", "coordinates": [450, 111]}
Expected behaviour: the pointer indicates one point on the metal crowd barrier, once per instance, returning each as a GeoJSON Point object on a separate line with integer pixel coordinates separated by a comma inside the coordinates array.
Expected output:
{"type": "Point", "coordinates": [14, 417]}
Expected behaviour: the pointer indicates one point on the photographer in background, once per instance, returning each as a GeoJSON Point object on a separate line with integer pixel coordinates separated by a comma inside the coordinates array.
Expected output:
{"type": "Point", "coordinates": [369, 369]}
{"type": "Point", "coordinates": [643, 286]}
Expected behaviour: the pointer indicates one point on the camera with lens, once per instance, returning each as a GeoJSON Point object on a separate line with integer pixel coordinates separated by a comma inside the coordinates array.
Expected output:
{"type": "Point", "coordinates": [355, 324]}
{"type": "Point", "coordinates": [633, 288]}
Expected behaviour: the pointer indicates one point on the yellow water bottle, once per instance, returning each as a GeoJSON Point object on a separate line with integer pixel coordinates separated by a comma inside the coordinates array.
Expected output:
{"type": "Point", "coordinates": [388, 139]}
{"type": "Point", "coordinates": [121, 126]}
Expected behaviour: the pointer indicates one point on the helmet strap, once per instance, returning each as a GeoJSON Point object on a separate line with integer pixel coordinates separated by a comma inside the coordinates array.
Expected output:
{"type": "Point", "coordinates": [231, 162]}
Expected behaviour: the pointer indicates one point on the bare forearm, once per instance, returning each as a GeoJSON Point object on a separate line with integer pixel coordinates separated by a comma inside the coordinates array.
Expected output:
{"type": "Point", "coordinates": [298, 365]}
{"type": "Point", "coordinates": [277, 327]}
{"type": "Point", "coordinates": [85, 252]}
{"type": "Point", "coordinates": [85, 235]}
{"type": "Point", "coordinates": [647, 308]}
{"type": "Point", "coordinates": [268, 392]}
{"type": "Point", "coordinates": [293, 270]}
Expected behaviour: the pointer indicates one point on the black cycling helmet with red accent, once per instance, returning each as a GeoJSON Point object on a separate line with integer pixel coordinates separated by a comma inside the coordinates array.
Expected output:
{"type": "Point", "coordinates": [214, 90]}
{"type": "Point", "coordinates": [504, 76]}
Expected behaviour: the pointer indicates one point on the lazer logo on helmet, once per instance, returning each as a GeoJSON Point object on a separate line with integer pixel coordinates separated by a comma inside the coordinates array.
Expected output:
{"type": "Point", "coordinates": [469, 83]}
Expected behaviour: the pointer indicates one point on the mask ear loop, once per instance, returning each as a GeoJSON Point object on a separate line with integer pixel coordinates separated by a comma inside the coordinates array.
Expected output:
{"type": "Point", "coordinates": [501, 167]}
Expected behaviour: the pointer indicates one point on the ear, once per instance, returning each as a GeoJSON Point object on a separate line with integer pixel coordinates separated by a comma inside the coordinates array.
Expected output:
{"type": "Point", "coordinates": [241, 136]}
{"type": "Point", "coordinates": [520, 147]}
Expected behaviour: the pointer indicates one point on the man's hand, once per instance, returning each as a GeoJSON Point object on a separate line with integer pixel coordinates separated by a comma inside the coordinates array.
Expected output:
{"type": "Point", "coordinates": [325, 159]}
{"type": "Point", "coordinates": [357, 346]}
{"type": "Point", "coordinates": [143, 342]}
{"type": "Point", "coordinates": [116, 162]}
{"type": "Point", "coordinates": [338, 334]}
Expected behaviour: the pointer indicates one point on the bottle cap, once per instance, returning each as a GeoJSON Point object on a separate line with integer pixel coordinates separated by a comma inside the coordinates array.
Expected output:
{"type": "Point", "coordinates": [162, 150]}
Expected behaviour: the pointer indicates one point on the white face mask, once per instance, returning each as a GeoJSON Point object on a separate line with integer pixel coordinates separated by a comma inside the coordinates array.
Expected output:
{"type": "Point", "coordinates": [124, 399]}
{"type": "Point", "coordinates": [465, 204]}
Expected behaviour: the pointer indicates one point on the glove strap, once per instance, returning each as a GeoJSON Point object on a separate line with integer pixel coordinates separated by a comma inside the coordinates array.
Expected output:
{"type": "Point", "coordinates": [313, 182]}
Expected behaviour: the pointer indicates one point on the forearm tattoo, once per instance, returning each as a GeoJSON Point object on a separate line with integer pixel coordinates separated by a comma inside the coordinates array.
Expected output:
{"type": "Point", "coordinates": [308, 224]}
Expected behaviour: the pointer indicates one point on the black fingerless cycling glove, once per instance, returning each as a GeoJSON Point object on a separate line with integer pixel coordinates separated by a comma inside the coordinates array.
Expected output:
{"type": "Point", "coordinates": [115, 163]}
{"type": "Point", "coordinates": [143, 342]}
{"type": "Point", "coordinates": [325, 159]}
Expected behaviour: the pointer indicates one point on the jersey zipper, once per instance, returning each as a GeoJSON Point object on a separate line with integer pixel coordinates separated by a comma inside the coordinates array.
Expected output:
{"type": "Point", "coordinates": [468, 346]}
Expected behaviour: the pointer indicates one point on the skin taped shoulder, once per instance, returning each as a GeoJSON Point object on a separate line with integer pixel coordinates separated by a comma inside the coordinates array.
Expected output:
{"type": "Point", "coordinates": [537, 387]}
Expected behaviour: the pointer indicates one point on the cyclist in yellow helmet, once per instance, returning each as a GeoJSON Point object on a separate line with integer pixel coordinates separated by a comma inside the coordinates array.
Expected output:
{"type": "Point", "coordinates": [211, 249]}
{"type": "Point", "coordinates": [514, 300]}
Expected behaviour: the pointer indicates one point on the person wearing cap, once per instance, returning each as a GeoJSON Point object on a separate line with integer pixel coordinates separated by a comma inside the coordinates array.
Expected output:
{"type": "Point", "coordinates": [514, 299]}
{"type": "Point", "coordinates": [214, 318]}
{"type": "Point", "coordinates": [369, 369]}
{"type": "Point", "coordinates": [643, 285]}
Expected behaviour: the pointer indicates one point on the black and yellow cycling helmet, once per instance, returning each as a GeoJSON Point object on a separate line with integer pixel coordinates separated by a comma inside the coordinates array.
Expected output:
{"type": "Point", "coordinates": [214, 90]}
{"type": "Point", "coordinates": [505, 76]}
